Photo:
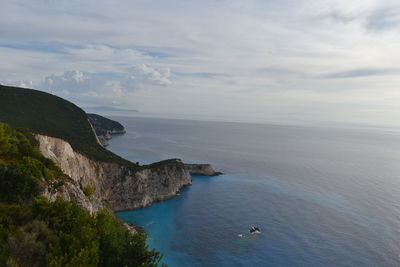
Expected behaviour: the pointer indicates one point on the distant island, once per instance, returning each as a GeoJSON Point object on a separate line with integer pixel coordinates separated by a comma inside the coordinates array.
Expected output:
{"type": "Point", "coordinates": [108, 109]}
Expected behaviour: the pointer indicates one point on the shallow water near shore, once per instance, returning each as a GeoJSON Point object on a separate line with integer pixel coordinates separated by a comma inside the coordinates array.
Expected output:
{"type": "Point", "coordinates": [321, 196]}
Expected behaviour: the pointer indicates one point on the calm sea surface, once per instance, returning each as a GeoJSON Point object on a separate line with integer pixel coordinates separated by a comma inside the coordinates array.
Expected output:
{"type": "Point", "coordinates": [321, 196]}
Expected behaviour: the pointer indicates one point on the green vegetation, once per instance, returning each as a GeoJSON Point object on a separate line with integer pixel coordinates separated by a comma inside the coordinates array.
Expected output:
{"type": "Point", "coordinates": [23, 169]}
{"type": "Point", "coordinates": [104, 125]}
{"type": "Point", "coordinates": [35, 232]}
{"type": "Point", "coordinates": [88, 191]}
{"type": "Point", "coordinates": [61, 233]}
{"type": "Point", "coordinates": [50, 115]}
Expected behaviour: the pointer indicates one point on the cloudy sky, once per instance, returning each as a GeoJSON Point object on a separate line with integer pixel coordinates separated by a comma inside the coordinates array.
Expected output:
{"type": "Point", "coordinates": [245, 60]}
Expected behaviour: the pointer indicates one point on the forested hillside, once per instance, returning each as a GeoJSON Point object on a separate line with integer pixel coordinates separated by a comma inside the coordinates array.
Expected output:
{"type": "Point", "coordinates": [50, 115]}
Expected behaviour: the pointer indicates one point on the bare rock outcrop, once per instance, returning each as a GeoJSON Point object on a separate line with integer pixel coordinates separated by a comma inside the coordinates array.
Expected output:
{"type": "Point", "coordinates": [201, 169]}
{"type": "Point", "coordinates": [115, 186]}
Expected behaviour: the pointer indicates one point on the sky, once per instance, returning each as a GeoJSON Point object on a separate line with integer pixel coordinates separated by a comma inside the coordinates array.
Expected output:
{"type": "Point", "coordinates": [237, 60]}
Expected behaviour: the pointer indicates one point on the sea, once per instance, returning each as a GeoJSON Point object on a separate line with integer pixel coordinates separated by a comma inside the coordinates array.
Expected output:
{"type": "Point", "coordinates": [322, 196]}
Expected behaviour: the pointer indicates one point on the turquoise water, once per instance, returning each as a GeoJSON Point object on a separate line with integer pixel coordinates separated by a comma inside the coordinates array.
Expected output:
{"type": "Point", "coordinates": [321, 196]}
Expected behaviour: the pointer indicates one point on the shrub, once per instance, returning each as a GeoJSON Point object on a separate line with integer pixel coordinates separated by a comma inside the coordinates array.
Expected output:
{"type": "Point", "coordinates": [88, 191]}
{"type": "Point", "coordinates": [120, 247]}
{"type": "Point", "coordinates": [17, 185]}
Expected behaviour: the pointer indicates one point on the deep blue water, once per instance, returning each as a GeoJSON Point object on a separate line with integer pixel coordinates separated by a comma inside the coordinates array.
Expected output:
{"type": "Point", "coordinates": [322, 196]}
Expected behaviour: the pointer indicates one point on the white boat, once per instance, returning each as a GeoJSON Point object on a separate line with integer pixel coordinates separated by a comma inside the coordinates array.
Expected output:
{"type": "Point", "coordinates": [254, 230]}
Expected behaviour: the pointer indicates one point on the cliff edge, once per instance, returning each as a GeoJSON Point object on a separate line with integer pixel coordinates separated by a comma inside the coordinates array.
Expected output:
{"type": "Point", "coordinates": [114, 186]}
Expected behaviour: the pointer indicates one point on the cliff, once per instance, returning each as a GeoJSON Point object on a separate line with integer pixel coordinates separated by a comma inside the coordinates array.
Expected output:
{"type": "Point", "coordinates": [114, 185]}
{"type": "Point", "coordinates": [201, 169]}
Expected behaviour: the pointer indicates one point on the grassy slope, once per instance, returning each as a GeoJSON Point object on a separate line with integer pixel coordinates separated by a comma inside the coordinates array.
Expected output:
{"type": "Point", "coordinates": [50, 115]}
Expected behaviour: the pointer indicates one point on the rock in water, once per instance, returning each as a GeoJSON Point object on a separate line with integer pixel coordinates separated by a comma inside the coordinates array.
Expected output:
{"type": "Point", "coordinates": [202, 169]}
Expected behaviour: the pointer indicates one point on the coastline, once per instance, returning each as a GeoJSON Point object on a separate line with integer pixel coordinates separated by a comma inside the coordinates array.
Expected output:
{"type": "Point", "coordinates": [174, 174]}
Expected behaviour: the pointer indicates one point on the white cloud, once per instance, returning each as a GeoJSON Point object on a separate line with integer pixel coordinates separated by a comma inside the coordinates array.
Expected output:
{"type": "Point", "coordinates": [80, 87]}
{"type": "Point", "coordinates": [83, 88]}
{"type": "Point", "coordinates": [144, 75]}
{"type": "Point", "coordinates": [71, 81]}
{"type": "Point", "coordinates": [271, 52]}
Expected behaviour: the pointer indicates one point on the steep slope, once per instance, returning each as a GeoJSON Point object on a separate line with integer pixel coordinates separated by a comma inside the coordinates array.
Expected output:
{"type": "Point", "coordinates": [114, 186]}
{"type": "Point", "coordinates": [50, 115]}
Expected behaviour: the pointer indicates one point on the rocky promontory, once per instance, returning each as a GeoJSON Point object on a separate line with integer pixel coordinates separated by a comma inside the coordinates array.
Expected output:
{"type": "Point", "coordinates": [114, 185]}
{"type": "Point", "coordinates": [202, 169]}
{"type": "Point", "coordinates": [104, 128]}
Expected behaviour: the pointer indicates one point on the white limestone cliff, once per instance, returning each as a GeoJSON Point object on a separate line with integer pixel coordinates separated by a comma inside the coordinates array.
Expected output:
{"type": "Point", "coordinates": [115, 186]}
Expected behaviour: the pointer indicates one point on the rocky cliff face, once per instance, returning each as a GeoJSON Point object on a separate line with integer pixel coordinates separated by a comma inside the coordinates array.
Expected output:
{"type": "Point", "coordinates": [115, 186]}
{"type": "Point", "coordinates": [201, 169]}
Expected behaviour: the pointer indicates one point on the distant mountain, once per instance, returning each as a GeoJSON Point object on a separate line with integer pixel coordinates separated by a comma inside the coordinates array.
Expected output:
{"type": "Point", "coordinates": [108, 109]}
